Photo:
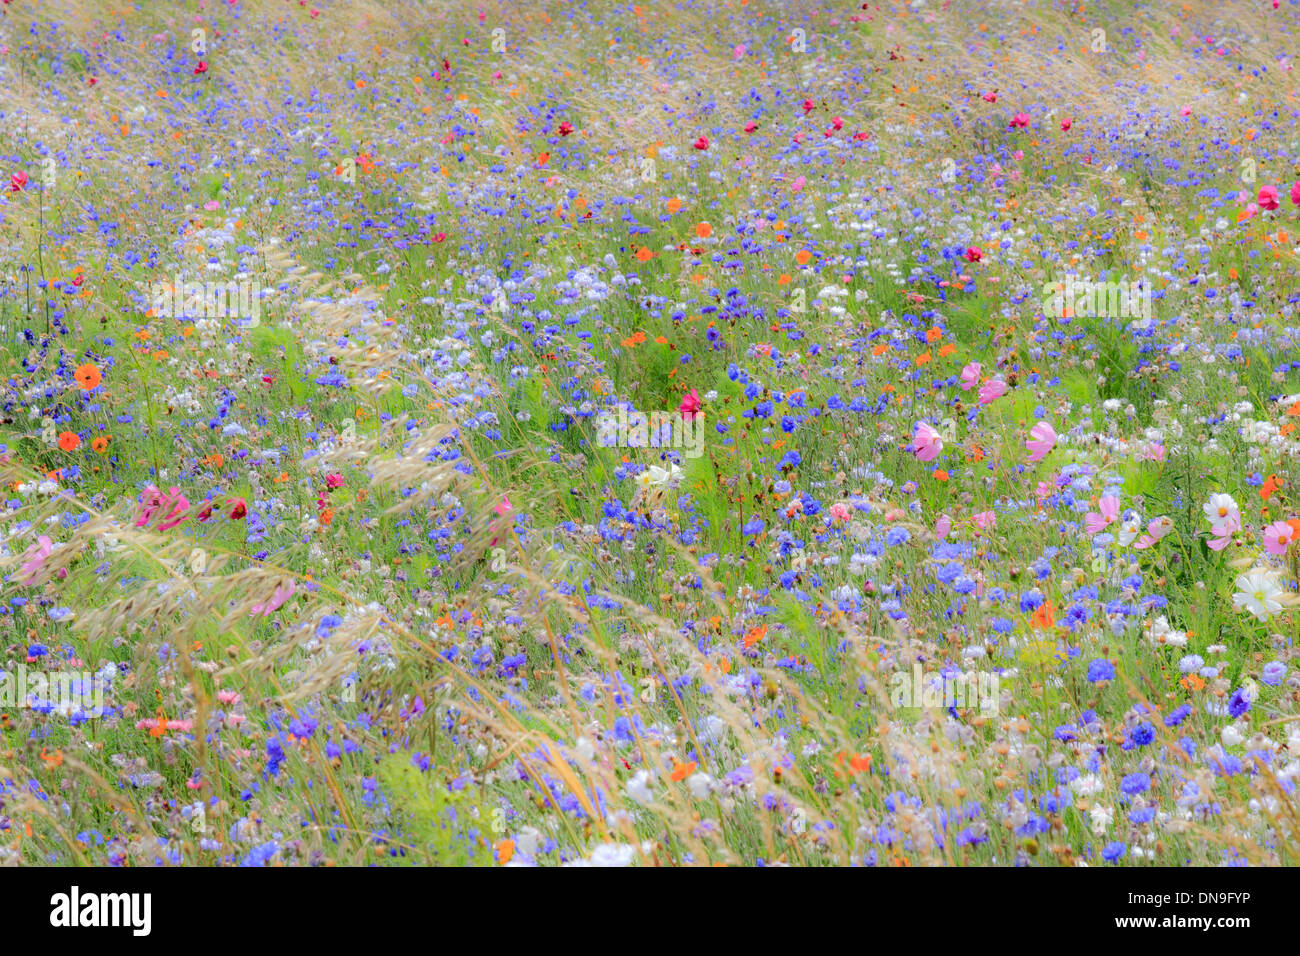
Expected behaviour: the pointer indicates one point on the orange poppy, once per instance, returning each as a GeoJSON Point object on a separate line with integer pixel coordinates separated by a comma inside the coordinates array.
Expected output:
{"type": "Point", "coordinates": [682, 770]}
{"type": "Point", "coordinates": [100, 443]}
{"type": "Point", "coordinates": [88, 377]}
{"type": "Point", "coordinates": [69, 441]}
{"type": "Point", "coordinates": [505, 851]}
{"type": "Point", "coordinates": [1045, 616]}
{"type": "Point", "coordinates": [803, 256]}
{"type": "Point", "coordinates": [704, 230]}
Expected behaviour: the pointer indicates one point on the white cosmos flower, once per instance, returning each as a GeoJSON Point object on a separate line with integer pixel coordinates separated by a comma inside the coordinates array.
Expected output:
{"type": "Point", "coordinates": [656, 477]}
{"type": "Point", "coordinates": [1259, 593]}
{"type": "Point", "coordinates": [1219, 508]}
{"type": "Point", "coordinates": [1129, 531]}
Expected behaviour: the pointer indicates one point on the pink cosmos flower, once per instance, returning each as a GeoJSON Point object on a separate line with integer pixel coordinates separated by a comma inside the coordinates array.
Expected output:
{"type": "Point", "coordinates": [928, 443]}
{"type": "Point", "coordinates": [992, 391]}
{"type": "Point", "coordinates": [970, 376]}
{"type": "Point", "coordinates": [985, 520]}
{"type": "Point", "coordinates": [942, 526]}
{"type": "Point", "coordinates": [150, 502]}
{"type": "Point", "coordinates": [1019, 121]}
{"type": "Point", "coordinates": [1223, 531]}
{"type": "Point", "coordinates": [840, 511]}
{"type": "Point", "coordinates": [36, 558]}
{"type": "Point", "coordinates": [1277, 536]}
{"type": "Point", "coordinates": [1156, 530]}
{"type": "Point", "coordinates": [172, 505]}
{"type": "Point", "coordinates": [1066, 124]}
{"type": "Point", "coordinates": [503, 507]}
{"type": "Point", "coordinates": [1154, 452]}
{"type": "Point", "coordinates": [333, 481]}
{"type": "Point", "coordinates": [974, 254]}
{"type": "Point", "coordinates": [990, 97]}
{"type": "Point", "coordinates": [690, 406]}
{"type": "Point", "coordinates": [180, 507]}
{"type": "Point", "coordinates": [281, 594]}
{"type": "Point", "coordinates": [1109, 508]}
{"type": "Point", "coordinates": [1295, 193]}
{"type": "Point", "coordinates": [1268, 197]}
{"type": "Point", "coordinates": [1042, 440]}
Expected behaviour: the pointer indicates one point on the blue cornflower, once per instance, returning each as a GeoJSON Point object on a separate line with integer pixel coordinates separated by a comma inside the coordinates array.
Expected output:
{"type": "Point", "coordinates": [1100, 670]}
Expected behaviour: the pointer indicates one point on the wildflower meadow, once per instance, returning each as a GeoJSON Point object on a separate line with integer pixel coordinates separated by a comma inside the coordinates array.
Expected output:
{"type": "Point", "coordinates": [660, 433]}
